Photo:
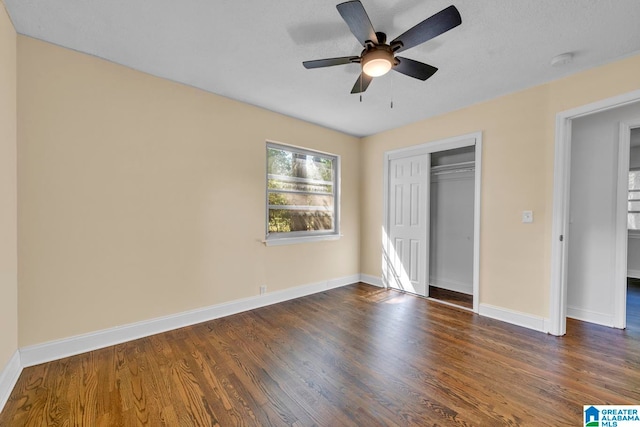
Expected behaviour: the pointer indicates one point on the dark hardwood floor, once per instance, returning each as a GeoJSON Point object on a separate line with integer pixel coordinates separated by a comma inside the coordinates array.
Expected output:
{"type": "Point", "coordinates": [353, 356]}
{"type": "Point", "coordinates": [452, 297]}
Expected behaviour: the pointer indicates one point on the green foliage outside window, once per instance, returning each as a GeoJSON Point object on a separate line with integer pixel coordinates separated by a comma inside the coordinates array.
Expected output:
{"type": "Point", "coordinates": [303, 184]}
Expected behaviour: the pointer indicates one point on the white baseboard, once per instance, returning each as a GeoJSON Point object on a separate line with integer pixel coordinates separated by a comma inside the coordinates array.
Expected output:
{"type": "Point", "coordinates": [465, 288]}
{"type": "Point", "coordinates": [53, 350]}
{"type": "Point", "coordinates": [590, 316]}
{"type": "Point", "coordinates": [503, 314]}
{"type": "Point", "coordinates": [8, 378]}
{"type": "Point", "coordinates": [526, 320]}
{"type": "Point", "coordinates": [371, 280]}
{"type": "Point", "coordinates": [633, 273]}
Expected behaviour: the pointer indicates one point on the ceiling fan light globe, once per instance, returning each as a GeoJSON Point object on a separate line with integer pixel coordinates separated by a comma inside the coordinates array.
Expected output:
{"type": "Point", "coordinates": [376, 67]}
{"type": "Point", "coordinates": [377, 62]}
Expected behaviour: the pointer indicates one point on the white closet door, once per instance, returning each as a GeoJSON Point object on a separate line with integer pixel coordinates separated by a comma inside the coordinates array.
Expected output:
{"type": "Point", "coordinates": [407, 249]}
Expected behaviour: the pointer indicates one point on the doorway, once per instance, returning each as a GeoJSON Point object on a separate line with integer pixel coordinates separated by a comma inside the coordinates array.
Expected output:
{"type": "Point", "coordinates": [412, 257]}
{"type": "Point", "coordinates": [633, 230]}
{"type": "Point", "coordinates": [596, 270]}
{"type": "Point", "coordinates": [592, 244]}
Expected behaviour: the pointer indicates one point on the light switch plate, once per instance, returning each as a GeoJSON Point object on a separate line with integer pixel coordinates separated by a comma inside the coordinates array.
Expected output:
{"type": "Point", "coordinates": [527, 217]}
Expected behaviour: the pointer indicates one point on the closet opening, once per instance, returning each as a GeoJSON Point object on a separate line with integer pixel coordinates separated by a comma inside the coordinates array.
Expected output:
{"type": "Point", "coordinates": [451, 243]}
{"type": "Point", "coordinates": [431, 226]}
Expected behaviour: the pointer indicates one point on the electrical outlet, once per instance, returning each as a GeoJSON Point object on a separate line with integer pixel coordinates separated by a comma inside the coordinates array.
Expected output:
{"type": "Point", "coordinates": [527, 217]}
{"type": "Point", "coordinates": [263, 289]}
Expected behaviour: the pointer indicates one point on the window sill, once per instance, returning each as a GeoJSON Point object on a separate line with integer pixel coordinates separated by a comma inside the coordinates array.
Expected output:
{"type": "Point", "coordinates": [303, 239]}
{"type": "Point", "coordinates": [634, 234]}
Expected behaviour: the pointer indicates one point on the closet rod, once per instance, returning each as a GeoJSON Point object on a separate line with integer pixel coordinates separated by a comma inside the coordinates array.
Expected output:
{"type": "Point", "coordinates": [454, 165]}
{"type": "Point", "coordinates": [447, 172]}
{"type": "Point", "coordinates": [454, 168]}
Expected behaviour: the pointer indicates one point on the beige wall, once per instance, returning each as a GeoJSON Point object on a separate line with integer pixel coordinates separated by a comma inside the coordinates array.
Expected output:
{"type": "Point", "coordinates": [517, 174]}
{"type": "Point", "coordinates": [8, 192]}
{"type": "Point", "coordinates": [140, 197]}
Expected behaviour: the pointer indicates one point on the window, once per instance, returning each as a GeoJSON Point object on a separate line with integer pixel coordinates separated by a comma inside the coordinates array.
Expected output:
{"type": "Point", "coordinates": [302, 194]}
{"type": "Point", "coordinates": [633, 216]}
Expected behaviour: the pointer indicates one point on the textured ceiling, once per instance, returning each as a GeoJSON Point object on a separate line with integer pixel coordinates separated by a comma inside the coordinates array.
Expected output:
{"type": "Point", "coordinates": [252, 50]}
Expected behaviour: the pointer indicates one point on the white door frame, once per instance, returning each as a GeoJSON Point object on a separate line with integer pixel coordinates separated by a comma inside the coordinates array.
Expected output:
{"type": "Point", "coordinates": [560, 216]}
{"type": "Point", "coordinates": [622, 233]}
{"type": "Point", "coordinates": [428, 148]}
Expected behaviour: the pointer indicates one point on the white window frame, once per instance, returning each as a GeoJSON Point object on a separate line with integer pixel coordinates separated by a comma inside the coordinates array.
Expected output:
{"type": "Point", "coordinates": [633, 233]}
{"type": "Point", "coordinates": [285, 238]}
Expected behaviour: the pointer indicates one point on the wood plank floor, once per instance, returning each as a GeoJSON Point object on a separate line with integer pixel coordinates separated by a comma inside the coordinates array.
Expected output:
{"type": "Point", "coordinates": [452, 297]}
{"type": "Point", "coordinates": [353, 356]}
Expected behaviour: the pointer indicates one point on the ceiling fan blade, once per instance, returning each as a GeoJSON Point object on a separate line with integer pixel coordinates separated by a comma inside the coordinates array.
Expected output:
{"type": "Point", "coordinates": [362, 83]}
{"type": "Point", "coordinates": [431, 27]}
{"type": "Point", "coordinates": [329, 62]}
{"type": "Point", "coordinates": [415, 69]}
{"type": "Point", "coordinates": [358, 21]}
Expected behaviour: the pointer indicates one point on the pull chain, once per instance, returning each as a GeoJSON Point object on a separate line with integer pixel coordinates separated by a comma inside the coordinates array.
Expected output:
{"type": "Point", "coordinates": [392, 91]}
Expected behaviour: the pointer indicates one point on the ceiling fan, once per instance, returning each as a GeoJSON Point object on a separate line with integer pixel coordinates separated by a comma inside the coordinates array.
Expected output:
{"type": "Point", "coordinates": [378, 56]}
